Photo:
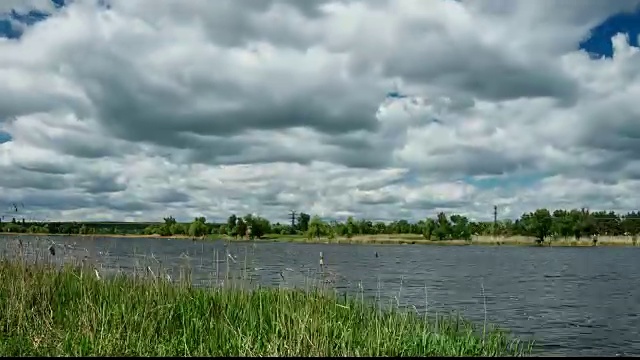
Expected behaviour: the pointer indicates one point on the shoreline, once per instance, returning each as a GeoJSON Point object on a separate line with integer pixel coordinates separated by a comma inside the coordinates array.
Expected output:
{"type": "Point", "coordinates": [401, 239]}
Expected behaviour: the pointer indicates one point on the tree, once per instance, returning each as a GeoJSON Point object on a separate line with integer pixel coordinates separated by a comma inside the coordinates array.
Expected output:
{"type": "Point", "coordinates": [240, 228]}
{"type": "Point", "coordinates": [365, 227]}
{"type": "Point", "coordinates": [538, 224]}
{"type": "Point", "coordinates": [429, 228]}
{"type": "Point", "coordinates": [317, 228]}
{"type": "Point", "coordinates": [198, 227]}
{"type": "Point", "coordinates": [561, 224]}
{"type": "Point", "coordinates": [631, 223]}
{"type": "Point", "coordinates": [582, 222]}
{"type": "Point", "coordinates": [169, 220]}
{"type": "Point", "coordinates": [443, 227]}
{"type": "Point", "coordinates": [232, 222]}
{"type": "Point", "coordinates": [178, 229]}
{"type": "Point", "coordinates": [169, 227]}
{"type": "Point", "coordinates": [259, 226]}
{"type": "Point", "coordinates": [460, 228]}
{"type": "Point", "coordinates": [281, 229]}
{"type": "Point", "coordinates": [351, 227]}
{"type": "Point", "coordinates": [380, 227]}
{"type": "Point", "coordinates": [303, 221]}
{"type": "Point", "coordinates": [541, 224]}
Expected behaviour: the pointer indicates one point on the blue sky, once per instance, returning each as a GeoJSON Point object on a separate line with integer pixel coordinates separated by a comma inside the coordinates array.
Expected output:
{"type": "Point", "coordinates": [29, 18]}
{"type": "Point", "coordinates": [4, 137]}
{"type": "Point", "coordinates": [599, 43]}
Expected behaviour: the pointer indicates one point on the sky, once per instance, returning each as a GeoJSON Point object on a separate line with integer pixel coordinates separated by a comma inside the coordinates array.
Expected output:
{"type": "Point", "coordinates": [132, 110]}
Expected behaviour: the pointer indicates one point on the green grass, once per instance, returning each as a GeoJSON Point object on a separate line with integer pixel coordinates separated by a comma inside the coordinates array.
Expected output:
{"type": "Point", "coordinates": [51, 311]}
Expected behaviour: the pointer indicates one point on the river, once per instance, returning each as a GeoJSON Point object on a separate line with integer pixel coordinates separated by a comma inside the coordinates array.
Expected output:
{"type": "Point", "coordinates": [571, 301]}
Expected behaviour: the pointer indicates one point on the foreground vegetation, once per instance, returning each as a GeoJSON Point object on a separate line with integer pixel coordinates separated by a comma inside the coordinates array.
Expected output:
{"type": "Point", "coordinates": [540, 225]}
{"type": "Point", "coordinates": [49, 311]}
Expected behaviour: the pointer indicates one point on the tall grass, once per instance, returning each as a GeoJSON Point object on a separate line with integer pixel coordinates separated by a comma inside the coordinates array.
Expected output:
{"type": "Point", "coordinates": [50, 310]}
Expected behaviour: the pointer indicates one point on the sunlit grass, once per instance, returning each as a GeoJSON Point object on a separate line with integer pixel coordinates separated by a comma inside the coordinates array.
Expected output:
{"type": "Point", "coordinates": [48, 310]}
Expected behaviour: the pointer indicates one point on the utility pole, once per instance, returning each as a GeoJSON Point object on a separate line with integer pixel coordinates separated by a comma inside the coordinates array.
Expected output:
{"type": "Point", "coordinates": [495, 219]}
{"type": "Point", "coordinates": [292, 213]}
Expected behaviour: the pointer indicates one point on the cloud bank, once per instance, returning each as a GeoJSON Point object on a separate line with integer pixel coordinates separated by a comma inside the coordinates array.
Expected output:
{"type": "Point", "coordinates": [137, 109]}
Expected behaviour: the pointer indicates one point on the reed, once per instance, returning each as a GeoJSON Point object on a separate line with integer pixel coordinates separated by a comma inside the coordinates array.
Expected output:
{"type": "Point", "coordinates": [72, 310]}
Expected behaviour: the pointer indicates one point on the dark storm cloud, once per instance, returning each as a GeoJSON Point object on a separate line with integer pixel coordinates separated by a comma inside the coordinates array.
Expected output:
{"type": "Point", "coordinates": [362, 149]}
{"type": "Point", "coordinates": [239, 152]}
{"type": "Point", "coordinates": [235, 23]}
{"type": "Point", "coordinates": [382, 200]}
{"type": "Point", "coordinates": [137, 111]}
{"type": "Point", "coordinates": [52, 200]}
{"type": "Point", "coordinates": [101, 184]}
{"type": "Point", "coordinates": [208, 139]}
{"type": "Point", "coordinates": [487, 75]}
{"type": "Point", "coordinates": [358, 150]}
{"type": "Point", "coordinates": [473, 161]}
{"type": "Point", "coordinates": [169, 196]}
{"type": "Point", "coordinates": [44, 167]}
{"type": "Point", "coordinates": [362, 159]}
{"type": "Point", "coordinates": [625, 141]}
{"type": "Point", "coordinates": [230, 22]}
{"type": "Point", "coordinates": [426, 205]}
{"type": "Point", "coordinates": [572, 11]}
{"type": "Point", "coordinates": [139, 121]}
{"type": "Point", "coordinates": [123, 204]}
{"type": "Point", "coordinates": [83, 148]}
{"type": "Point", "coordinates": [611, 132]}
{"type": "Point", "coordinates": [375, 184]}
{"type": "Point", "coordinates": [21, 178]}
{"type": "Point", "coordinates": [271, 199]}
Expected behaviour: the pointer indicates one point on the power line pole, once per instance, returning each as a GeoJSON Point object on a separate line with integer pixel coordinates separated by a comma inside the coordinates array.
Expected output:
{"type": "Point", "coordinates": [495, 219]}
{"type": "Point", "coordinates": [293, 219]}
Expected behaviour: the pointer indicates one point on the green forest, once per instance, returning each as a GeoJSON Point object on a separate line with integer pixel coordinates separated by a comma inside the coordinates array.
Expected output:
{"type": "Point", "coordinates": [539, 224]}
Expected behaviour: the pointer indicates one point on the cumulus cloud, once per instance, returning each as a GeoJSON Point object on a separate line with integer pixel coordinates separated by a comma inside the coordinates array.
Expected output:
{"type": "Point", "coordinates": [141, 109]}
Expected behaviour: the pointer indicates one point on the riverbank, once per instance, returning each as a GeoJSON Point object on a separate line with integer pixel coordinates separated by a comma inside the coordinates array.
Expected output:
{"type": "Point", "coordinates": [134, 236]}
{"type": "Point", "coordinates": [48, 311]}
{"type": "Point", "coordinates": [396, 239]}
{"type": "Point", "coordinates": [476, 240]}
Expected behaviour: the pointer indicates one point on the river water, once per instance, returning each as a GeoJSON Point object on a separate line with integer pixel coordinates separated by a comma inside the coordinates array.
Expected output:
{"type": "Point", "coordinates": [571, 301]}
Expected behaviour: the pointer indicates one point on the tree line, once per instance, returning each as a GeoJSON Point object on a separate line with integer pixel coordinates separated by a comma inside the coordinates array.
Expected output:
{"type": "Point", "coordinates": [540, 224]}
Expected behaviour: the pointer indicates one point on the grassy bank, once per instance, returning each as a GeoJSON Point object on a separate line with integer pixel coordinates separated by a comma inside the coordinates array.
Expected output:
{"type": "Point", "coordinates": [397, 239]}
{"type": "Point", "coordinates": [476, 240]}
{"type": "Point", "coordinates": [51, 311]}
{"type": "Point", "coordinates": [102, 235]}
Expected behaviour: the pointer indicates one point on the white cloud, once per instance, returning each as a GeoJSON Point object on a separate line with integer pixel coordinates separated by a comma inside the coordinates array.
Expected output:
{"type": "Point", "coordinates": [207, 108]}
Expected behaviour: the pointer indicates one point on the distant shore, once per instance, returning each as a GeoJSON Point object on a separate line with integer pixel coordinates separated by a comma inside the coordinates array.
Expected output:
{"type": "Point", "coordinates": [476, 240]}
{"type": "Point", "coordinates": [99, 235]}
{"type": "Point", "coordinates": [400, 239]}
